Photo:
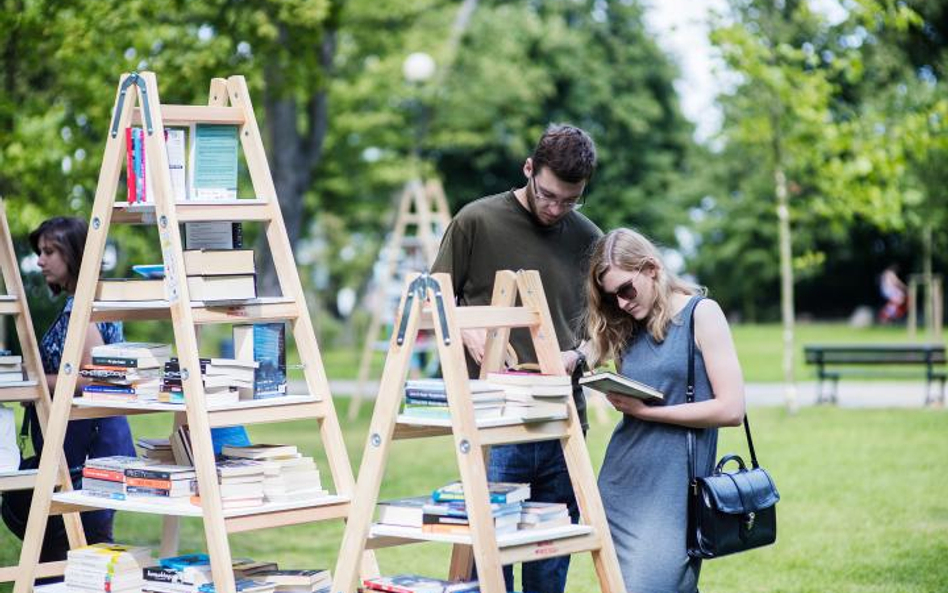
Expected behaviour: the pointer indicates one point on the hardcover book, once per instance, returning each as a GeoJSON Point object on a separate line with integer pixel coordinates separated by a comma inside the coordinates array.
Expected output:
{"type": "Point", "coordinates": [264, 343]}
{"type": "Point", "coordinates": [608, 382]}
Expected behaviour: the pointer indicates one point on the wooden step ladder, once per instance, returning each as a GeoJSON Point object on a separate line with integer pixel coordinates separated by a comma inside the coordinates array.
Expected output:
{"type": "Point", "coordinates": [428, 303]}
{"type": "Point", "coordinates": [137, 103]}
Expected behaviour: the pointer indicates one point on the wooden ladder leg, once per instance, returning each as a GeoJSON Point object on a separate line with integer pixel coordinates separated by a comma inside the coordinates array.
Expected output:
{"type": "Point", "coordinates": [53, 458]}
{"type": "Point", "coordinates": [377, 449]}
{"type": "Point", "coordinates": [575, 454]}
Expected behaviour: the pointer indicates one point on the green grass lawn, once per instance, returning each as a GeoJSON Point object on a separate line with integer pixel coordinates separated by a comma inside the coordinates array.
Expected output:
{"type": "Point", "coordinates": [863, 508]}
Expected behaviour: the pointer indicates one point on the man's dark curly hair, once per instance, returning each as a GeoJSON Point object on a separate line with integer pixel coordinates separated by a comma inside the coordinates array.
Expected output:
{"type": "Point", "coordinates": [567, 151]}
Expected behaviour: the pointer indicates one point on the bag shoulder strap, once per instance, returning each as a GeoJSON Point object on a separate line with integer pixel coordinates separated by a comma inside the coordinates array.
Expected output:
{"type": "Point", "coordinates": [690, 398]}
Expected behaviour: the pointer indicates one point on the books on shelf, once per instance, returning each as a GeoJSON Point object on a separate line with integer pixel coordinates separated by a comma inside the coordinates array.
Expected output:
{"type": "Point", "coordinates": [412, 583]}
{"type": "Point", "coordinates": [213, 235]}
{"type": "Point", "coordinates": [139, 173]}
{"type": "Point", "coordinates": [130, 289]}
{"type": "Point", "coordinates": [543, 515]}
{"type": "Point", "coordinates": [198, 262]}
{"type": "Point", "coordinates": [296, 581]}
{"type": "Point", "coordinates": [608, 382]}
{"type": "Point", "coordinates": [11, 369]}
{"type": "Point", "coordinates": [527, 387]}
{"type": "Point", "coordinates": [155, 449]}
{"type": "Point", "coordinates": [213, 162]}
{"type": "Point", "coordinates": [261, 451]}
{"type": "Point", "coordinates": [405, 512]}
{"type": "Point", "coordinates": [9, 451]}
{"type": "Point", "coordinates": [264, 343]}
{"type": "Point", "coordinates": [500, 492]}
{"type": "Point", "coordinates": [138, 355]}
{"type": "Point", "coordinates": [106, 568]}
{"type": "Point", "coordinates": [234, 287]}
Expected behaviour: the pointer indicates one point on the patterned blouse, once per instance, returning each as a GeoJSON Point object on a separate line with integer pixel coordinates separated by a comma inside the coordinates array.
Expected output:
{"type": "Point", "coordinates": [54, 340]}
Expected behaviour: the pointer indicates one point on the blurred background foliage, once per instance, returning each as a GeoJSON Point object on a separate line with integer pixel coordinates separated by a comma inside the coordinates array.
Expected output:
{"type": "Point", "coordinates": [853, 110]}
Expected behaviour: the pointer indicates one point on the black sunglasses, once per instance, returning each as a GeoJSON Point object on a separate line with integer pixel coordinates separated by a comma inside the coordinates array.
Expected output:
{"type": "Point", "coordinates": [626, 290]}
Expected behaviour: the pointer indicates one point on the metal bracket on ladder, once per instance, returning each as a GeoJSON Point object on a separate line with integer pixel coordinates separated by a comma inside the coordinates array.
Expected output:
{"type": "Point", "coordinates": [419, 287]}
{"type": "Point", "coordinates": [137, 80]}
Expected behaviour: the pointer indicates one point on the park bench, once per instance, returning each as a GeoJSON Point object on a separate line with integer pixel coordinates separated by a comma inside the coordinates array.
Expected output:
{"type": "Point", "coordinates": [842, 357]}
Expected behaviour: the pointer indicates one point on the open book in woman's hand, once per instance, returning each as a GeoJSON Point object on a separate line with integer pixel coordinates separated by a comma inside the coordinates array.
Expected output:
{"type": "Point", "coordinates": [607, 382]}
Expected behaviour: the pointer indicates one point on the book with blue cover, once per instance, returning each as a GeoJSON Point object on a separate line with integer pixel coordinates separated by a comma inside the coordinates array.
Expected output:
{"type": "Point", "coordinates": [264, 343]}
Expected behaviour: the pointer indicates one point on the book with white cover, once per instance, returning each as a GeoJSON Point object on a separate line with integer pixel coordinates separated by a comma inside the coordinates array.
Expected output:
{"type": "Point", "coordinates": [608, 382]}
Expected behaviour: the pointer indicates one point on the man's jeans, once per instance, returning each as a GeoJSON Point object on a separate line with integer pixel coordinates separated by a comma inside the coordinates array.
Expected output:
{"type": "Point", "coordinates": [542, 466]}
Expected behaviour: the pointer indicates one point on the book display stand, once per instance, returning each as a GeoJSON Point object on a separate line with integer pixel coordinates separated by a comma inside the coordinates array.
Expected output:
{"type": "Point", "coordinates": [32, 389]}
{"type": "Point", "coordinates": [422, 217]}
{"type": "Point", "coordinates": [137, 103]}
{"type": "Point", "coordinates": [428, 303]}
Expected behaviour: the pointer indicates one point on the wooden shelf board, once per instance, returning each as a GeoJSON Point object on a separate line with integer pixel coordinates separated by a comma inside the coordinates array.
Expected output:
{"type": "Point", "coordinates": [247, 209]}
{"type": "Point", "coordinates": [19, 391]}
{"type": "Point", "coordinates": [7, 298]}
{"type": "Point", "coordinates": [486, 317]}
{"type": "Point", "coordinates": [491, 431]}
{"type": "Point", "coordinates": [11, 307]}
{"type": "Point", "coordinates": [184, 115]}
{"type": "Point", "coordinates": [17, 480]}
{"type": "Point", "coordinates": [183, 508]}
{"type": "Point", "coordinates": [43, 569]}
{"type": "Point", "coordinates": [274, 409]}
{"type": "Point", "coordinates": [258, 310]}
{"type": "Point", "coordinates": [395, 535]}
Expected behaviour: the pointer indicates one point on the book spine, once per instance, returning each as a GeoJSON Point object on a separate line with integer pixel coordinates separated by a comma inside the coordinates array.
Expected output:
{"type": "Point", "coordinates": [373, 586]}
{"type": "Point", "coordinates": [159, 484]}
{"type": "Point", "coordinates": [148, 474]}
{"type": "Point", "coordinates": [160, 492]}
{"type": "Point", "coordinates": [117, 361]}
{"type": "Point", "coordinates": [237, 232]}
{"type": "Point", "coordinates": [97, 388]}
{"type": "Point", "coordinates": [129, 166]}
{"type": "Point", "coordinates": [103, 474]}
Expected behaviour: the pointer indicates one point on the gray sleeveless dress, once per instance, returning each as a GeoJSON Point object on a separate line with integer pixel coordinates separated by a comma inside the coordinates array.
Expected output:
{"type": "Point", "coordinates": [644, 476]}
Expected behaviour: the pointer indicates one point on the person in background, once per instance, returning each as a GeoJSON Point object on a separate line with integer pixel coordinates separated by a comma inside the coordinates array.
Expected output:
{"type": "Point", "coordinates": [533, 227]}
{"type": "Point", "coordinates": [894, 292]}
{"type": "Point", "coordinates": [59, 242]}
{"type": "Point", "coordinates": [638, 315]}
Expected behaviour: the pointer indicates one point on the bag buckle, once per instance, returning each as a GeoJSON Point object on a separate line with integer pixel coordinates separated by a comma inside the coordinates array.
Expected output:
{"type": "Point", "coordinates": [749, 522]}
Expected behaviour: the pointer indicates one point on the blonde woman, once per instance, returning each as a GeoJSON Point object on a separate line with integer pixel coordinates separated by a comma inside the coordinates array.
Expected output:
{"type": "Point", "coordinates": [638, 315]}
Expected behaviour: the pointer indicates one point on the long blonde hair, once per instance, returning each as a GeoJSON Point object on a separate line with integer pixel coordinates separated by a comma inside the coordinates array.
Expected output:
{"type": "Point", "coordinates": [609, 328]}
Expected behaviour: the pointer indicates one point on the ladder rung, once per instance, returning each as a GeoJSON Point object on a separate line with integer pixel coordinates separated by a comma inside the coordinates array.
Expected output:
{"type": "Point", "coordinates": [259, 411]}
{"type": "Point", "coordinates": [43, 569]}
{"type": "Point", "coordinates": [10, 307]}
{"type": "Point", "coordinates": [487, 317]}
{"type": "Point", "coordinates": [195, 211]}
{"type": "Point", "coordinates": [510, 432]}
{"type": "Point", "coordinates": [18, 480]}
{"type": "Point", "coordinates": [22, 391]}
{"type": "Point", "coordinates": [184, 115]}
{"type": "Point", "coordinates": [262, 310]}
{"type": "Point", "coordinates": [550, 548]}
{"type": "Point", "coordinates": [339, 510]}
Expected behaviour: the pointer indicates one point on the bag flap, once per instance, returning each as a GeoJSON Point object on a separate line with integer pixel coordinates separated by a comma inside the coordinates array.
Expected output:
{"type": "Point", "coordinates": [740, 492]}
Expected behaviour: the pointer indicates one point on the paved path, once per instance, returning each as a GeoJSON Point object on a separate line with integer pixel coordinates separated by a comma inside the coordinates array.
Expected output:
{"type": "Point", "coordinates": [852, 394]}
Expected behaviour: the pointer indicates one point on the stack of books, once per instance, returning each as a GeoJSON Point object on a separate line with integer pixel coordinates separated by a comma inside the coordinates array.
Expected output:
{"type": "Point", "coordinates": [533, 396]}
{"type": "Point", "coordinates": [241, 483]}
{"type": "Point", "coordinates": [543, 515]}
{"type": "Point", "coordinates": [412, 583]}
{"type": "Point", "coordinates": [11, 367]}
{"type": "Point", "coordinates": [124, 371]}
{"type": "Point", "coordinates": [158, 450]}
{"type": "Point", "coordinates": [222, 378]}
{"type": "Point", "coordinates": [297, 581]}
{"type": "Point", "coordinates": [447, 513]}
{"type": "Point", "coordinates": [106, 568]}
{"type": "Point", "coordinates": [105, 476]}
{"type": "Point", "coordinates": [191, 573]}
{"type": "Point", "coordinates": [428, 398]}
{"type": "Point", "coordinates": [163, 481]}
{"type": "Point", "coordinates": [220, 274]}
{"type": "Point", "coordinates": [288, 474]}
{"type": "Point", "coordinates": [180, 574]}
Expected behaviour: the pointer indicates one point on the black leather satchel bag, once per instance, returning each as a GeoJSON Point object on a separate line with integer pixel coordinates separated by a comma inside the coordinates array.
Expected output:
{"type": "Point", "coordinates": [727, 512]}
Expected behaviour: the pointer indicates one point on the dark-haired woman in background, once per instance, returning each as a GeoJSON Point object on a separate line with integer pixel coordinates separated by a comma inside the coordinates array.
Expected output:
{"type": "Point", "coordinates": [59, 243]}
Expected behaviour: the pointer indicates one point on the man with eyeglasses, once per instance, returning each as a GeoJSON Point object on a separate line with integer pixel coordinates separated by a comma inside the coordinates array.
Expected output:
{"type": "Point", "coordinates": [534, 227]}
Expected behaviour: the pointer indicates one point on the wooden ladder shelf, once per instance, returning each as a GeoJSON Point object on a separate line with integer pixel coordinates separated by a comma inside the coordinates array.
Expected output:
{"type": "Point", "coordinates": [428, 303]}
{"type": "Point", "coordinates": [229, 103]}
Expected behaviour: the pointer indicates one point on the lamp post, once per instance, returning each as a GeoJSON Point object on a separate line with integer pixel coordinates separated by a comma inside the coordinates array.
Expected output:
{"type": "Point", "coordinates": [418, 68]}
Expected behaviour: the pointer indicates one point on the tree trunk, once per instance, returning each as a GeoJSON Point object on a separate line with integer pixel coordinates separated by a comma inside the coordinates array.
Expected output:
{"type": "Point", "coordinates": [295, 153]}
{"type": "Point", "coordinates": [786, 287]}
